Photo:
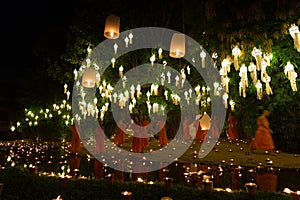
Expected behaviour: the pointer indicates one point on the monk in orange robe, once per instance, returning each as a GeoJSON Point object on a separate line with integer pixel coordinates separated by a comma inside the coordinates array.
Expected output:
{"type": "Point", "coordinates": [120, 134]}
{"type": "Point", "coordinates": [75, 148]}
{"type": "Point", "coordinates": [186, 129]}
{"type": "Point", "coordinates": [144, 131]}
{"type": "Point", "coordinates": [163, 139]}
{"type": "Point", "coordinates": [200, 133]}
{"type": "Point", "coordinates": [75, 141]}
{"type": "Point", "coordinates": [232, 131]}
{"type": "Point", "coordinates": [137, 142]}
{"type": "Point", "coordinates": [98, 165]}
{"type": "Point", "coordinates": [263, 135]}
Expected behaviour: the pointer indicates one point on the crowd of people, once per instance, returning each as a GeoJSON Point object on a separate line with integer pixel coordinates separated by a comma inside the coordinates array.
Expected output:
{"type": "Point", "coordinates": [192, 129]}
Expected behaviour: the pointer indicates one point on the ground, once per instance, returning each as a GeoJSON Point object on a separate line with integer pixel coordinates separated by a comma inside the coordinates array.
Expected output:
{"type": "Point", "coordinates": [230, 152]}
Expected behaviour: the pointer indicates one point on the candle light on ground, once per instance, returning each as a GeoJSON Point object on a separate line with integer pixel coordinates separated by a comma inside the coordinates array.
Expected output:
{"type": "Point", "coordinates": [251, 188]}
{"type": "Point", "coordinates": [208, 185]}
{"type": "Point", "coordinates": [126, 195]}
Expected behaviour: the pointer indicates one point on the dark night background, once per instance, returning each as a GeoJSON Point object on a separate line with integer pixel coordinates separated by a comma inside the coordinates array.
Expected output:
{"type": "Point", "coordinates": [28, 26]}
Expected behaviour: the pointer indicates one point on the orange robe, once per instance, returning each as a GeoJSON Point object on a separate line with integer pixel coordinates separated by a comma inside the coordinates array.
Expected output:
{"type": "Point", "coordinates": [137, 141]}
{"type": "Point", "coordinates": [98, 165]}
{"type": "Point", "coordinates": [163, 139]}
{"type": "Point", "coordinates": [120, 134]}
{"type": "Point", "coordinates": [99, 140]}
{"type": "Point", "coordinates": [75, 148]}
{"type": "Point", "coordinates": [263, 137]}
{"type": "Point", "coordinates": [75, 141]}
{"type": "Point", "coordinates": [186, 130]}
{"type": "Point", "coordinates": [232, 131]}
{"type": "Point", "coordinates": [144, 132]}
{"type": "Point", "coordinates": [200, 134]}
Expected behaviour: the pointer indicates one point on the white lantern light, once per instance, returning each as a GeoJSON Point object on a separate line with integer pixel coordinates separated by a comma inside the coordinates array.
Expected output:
{"type": "Point", "coordinates": [89, 78]}
{"type": "Point", "coordinates": [236, 52]}
{"type": "Point", "coordinates": [203, 55]}
{"type": "Point", "coordinates": [112, 27]}
{"type": "Point", "coordinates": [177, 47]}
{"type": "Point", "coordinates": [256, 53]}
{"type": "Point", "coordinates": [295, 33]}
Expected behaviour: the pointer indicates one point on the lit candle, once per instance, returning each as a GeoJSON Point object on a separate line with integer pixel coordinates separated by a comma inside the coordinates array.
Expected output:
{"type": "Point", "coordinates": [208, 185]}
{"type": "Point", "coordinates": [126, 195]}
{"type": "Point", "coordinates": [251, 188]}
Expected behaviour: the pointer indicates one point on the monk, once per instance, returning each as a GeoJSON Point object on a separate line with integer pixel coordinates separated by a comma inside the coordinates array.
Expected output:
{"type": "Point", "coordinates": [98, 165]}
{"type": "Point", "coordinates": [232, 130]}
{"type": "Point", "coordinates": [263, 135]}
{"type": "Point", "coordinates": [75, 148]}
{"type": "Point", "coordinates": [120, 134]}
{"type": "Point", "coordinates": [75, 141]}
{"type": "Point", "coordinates": [137, 142]}
{"type": "Point", "coordinates": [163, 139]}
{"type": "Point", "coordinates": [144, 132]}
{"type": "Point", "coordinates": [186, 129]}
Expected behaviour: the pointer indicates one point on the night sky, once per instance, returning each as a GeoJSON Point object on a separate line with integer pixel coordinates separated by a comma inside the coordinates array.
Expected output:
{"type": "Point", "coordinates": [25, 24]}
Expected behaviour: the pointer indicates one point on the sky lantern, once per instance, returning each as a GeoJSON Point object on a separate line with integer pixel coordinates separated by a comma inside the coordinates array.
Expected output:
{"type": "Point", "coordinates": [112, 27]}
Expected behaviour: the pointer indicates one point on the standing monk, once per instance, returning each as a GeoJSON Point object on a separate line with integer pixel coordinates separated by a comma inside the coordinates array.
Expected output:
{"type": "Point", "coordinates": [120, 134]}
{"type": "Point", "coordinates": [98, 165]}
{"type": "Point", "coordinates": [163, 139]}
{"type": "Point", "coordinates": [263, 135]}
{"type": "Point", "coordinates": [232, 130]}
{"type": "Point", "coordinates": [75, 148]}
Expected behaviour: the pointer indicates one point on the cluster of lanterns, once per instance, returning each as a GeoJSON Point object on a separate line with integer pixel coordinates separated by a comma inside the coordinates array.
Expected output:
{"type": "Point", "coordinates": [32, 118]}
{"type": "Point", "coordinates": [257, 71]}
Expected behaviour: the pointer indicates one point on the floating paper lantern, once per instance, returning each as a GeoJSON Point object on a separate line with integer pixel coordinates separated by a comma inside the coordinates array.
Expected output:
{"type": "Point", "coordinates": [89, 78]}
{"type": "Point", "coordinates": [177, 47]}
{"type": "Point", "coordinates": [112, 27]}
{"type": "Point", "coordinates": [205, 122]}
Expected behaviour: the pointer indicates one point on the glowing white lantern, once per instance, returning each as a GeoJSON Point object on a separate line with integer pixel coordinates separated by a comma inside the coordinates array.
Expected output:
{"type": "Point", "coordinates": [121, 71]}
{"type": "Point", "coordinates": [256, 53]}
{"type": "Point", "coordinates": [130, 36]}
{"type": "Point", "coordinates": [232, 104]}
{"type": "Point", "coordinates": [267, 80]}
{"type": "Point", "coordinates": [112, 27]}
{"type": "Point", "coordinates": [89, 78]}
{"type": "Point", "coordinates": [152, 59]}
{"type": "Point", "coordinates": [177, 47]}
{"type": "Point", "coordinates": [294, 32]}
{"type": "Point", "coordinates": [160, 53]}
{"type": "Point", "coordinates": [258, 86]}
{"type": "Point", "coordinates": [253, 73]}
{"type": "Point", "coordinates": [203, 55]}
{"type": "Point", "coordinates": [113, 60]}
{"type": "Point", "coordinates": [236, 52]}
